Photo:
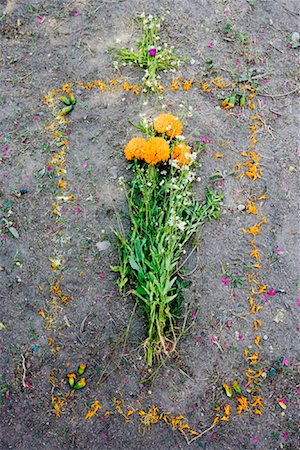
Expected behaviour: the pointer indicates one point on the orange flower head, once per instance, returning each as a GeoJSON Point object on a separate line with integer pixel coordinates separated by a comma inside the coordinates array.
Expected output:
{"type": "Point", "coordinates": [181, 153]}
{"type": "Point", "coordinates": [136, 148]}
{"type": "Point", "coordinates": [157, 150]}
{"type": "Point", "coordinates": [169, 124]}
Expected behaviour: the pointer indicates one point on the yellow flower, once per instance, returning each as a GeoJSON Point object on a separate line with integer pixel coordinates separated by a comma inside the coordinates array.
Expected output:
{"type": "Point", "coordinates": [157, 150]}
{"type": "Point", "coordinates": [218, 155]}
{"type": "Point", "coordinates": [169, 124]}
{"type": "Point", "coordinates": [257, 340]}
{"type": "Point", "coordinates": [205, 87]}
{"type": "Point", "coordinates": [94, 408]}
{"type": "Point", "coordinates": [62, 184]}
{"type": "Point", "coordinates": [181, 153]}
{"type": "Point", "coordinates": [256, 324]}
{"type": "Point", "coordinates": [255, 229]}
{"type": "Point", "coordinates": [187, 84]}
{"type": "Point", "coordinates": [251, 207]}
{"type": "Point", "coordinates": [55, 263]}
{"type": "Point", "coordinates": [175, 84]}
{"type": "Point", "coordinates": [67, 88]}
{"type": "Point", "coordinates": [226, 104]}
{"type": "Point", "coordinates": [243, 404]}
{"type": "Point", "coordinates": [136, 148]}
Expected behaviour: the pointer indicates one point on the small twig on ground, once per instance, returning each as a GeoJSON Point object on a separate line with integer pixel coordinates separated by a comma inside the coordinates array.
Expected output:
{"type": "Point", "coordinates": [201, 434]}
{"type": "Point", "coordinates": [275, 112]}
{"type": "Point", "coordinates": [185, 374]}
{"type": "Point", "coordinates": [262, 94]}
{"type": "Point", "coordinates": [218, 345]}
{"type": "Point", "coordinates": [289, 11]}
{"type": "Point", "coordinates": [24, 370]}
{"type": "Point", "coordinates": [82, 326]}
{"type": "Point", "coordinates": [241, 317]}
{"type": "Point", "coordinates": [276, 48]}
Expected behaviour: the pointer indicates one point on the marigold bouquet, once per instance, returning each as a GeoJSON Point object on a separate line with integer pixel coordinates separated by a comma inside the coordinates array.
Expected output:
{"type": "Point", "coordinates": [164, 215]}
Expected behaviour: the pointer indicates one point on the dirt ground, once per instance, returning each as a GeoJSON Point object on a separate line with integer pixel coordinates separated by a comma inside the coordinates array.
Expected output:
{"type": "Point", "coordinates": [46, 44]}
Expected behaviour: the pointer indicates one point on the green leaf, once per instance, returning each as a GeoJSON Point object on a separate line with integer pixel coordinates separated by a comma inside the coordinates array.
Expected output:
{"type": "Point", "coordinates": [14, 232]}
{"type": "Point", "coordinates": [134, 264]}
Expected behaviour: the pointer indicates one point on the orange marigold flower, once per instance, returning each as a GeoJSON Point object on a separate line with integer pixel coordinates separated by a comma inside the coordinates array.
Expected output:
{"type": "Point", "coordinates": [169, 124]}
{"type": "Point", "coordinates": [135, 148]}
{"type": "Point", "coordinates": [157, 150]}
{"type": "Point", "coordinates": [181, 153]}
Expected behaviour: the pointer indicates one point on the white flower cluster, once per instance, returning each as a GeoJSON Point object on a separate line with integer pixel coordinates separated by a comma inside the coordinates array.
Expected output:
{"type": "Point", "coordinates": [175, 221]}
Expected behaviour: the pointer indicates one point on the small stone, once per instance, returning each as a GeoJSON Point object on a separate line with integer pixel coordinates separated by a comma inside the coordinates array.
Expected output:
{"type": "Point", "coordinates": [295, 36]}
{"type": "Point", "coordinates": [103, 245]}
{"type": "Point", "coordinates": [292, 169]}
{"type": "Point", "coordinates": [241, 207]}
{"type": "Point", "coordinates": [279, 316]}
{"type": "Point", "coordinates": [113, 171]}
{"type": "Point", "coordinates": [265, 337]}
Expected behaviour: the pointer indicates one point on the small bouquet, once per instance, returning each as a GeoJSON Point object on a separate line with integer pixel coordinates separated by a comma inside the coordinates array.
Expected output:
{"type": "Point", "coordinates": [164, 215]}
{"type": "Point", "coordinates": [150, 54]}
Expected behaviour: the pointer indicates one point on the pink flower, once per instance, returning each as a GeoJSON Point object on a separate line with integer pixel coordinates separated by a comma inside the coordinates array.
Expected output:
{"type": "Point", "coordinates": [194, 314]}
{"type": "Point", "coordinates": [206, 140]}
{"type": "Point", "coordinates": [40, 19]}
{"type": "Point", "coordinates": [101, 275]}
{"type": "Point", "coordinates": [49, 168]}
{"type": "Point", "coordinates": [265, 81]}
{"type": "Point", "coordinates": [84, 165]}
{"type": "Point", "coordinates": [74, 13]}
{"type": "Point", "coordinates": [285, 361]}
{"type": "Point", "coordinates": [225, 281]}
{"type": "Point", "coordinates": [271, 292]}
{"type": "Point", "coordinates": [211, 44]}
{"type": "Point", "coordinates": [255, 440]}
{"type": "Point", "coordinates": [298, 302]}
{"type": "Point", "coordinates": [27, 384]}
{"type": "Point", "coordinates": [5, 148]}
{"type": "Point", "coordinates": [152, 51]}
{"type": "Point", "coordinates": [279, 250]}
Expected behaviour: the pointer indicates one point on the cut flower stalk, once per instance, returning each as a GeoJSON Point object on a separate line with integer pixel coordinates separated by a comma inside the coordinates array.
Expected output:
{"type": "Point", "coordinates": [164, 215]}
